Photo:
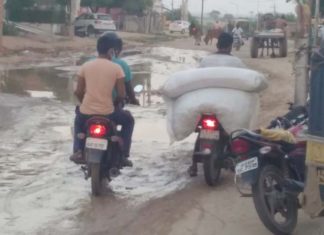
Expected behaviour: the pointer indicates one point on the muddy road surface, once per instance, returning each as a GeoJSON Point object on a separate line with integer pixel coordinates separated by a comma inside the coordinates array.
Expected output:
{"type": "Point", "coordinates": [41, 192]}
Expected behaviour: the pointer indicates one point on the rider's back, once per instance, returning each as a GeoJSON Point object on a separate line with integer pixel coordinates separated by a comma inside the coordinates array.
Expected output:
{"type": "Point", "coordinates": [216, 60]}
{"type": "Point", "coordinates": [100, 78]}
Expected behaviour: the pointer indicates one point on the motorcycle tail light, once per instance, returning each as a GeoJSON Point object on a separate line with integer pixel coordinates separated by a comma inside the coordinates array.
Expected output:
{"type": "Point", "coordinates": [209, 123]}
{"type": "Point", "coordinates": [240, 146]}
{"type": "Point", "coordinates": [97, 130]}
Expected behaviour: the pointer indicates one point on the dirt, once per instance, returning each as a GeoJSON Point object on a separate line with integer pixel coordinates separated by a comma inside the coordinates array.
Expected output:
{"type": "Point", "coordinates": [197, 209]}
{"type": "Point", "coordinates": [32, 49]}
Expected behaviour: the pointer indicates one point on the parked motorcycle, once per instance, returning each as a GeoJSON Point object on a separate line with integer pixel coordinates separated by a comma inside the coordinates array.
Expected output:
{"type": "Point", "coordinates": [103, 154]}
{"type": "Point", "coordinates": [210, 147]}
{"type": "Point", "coordinates": [273, 170]}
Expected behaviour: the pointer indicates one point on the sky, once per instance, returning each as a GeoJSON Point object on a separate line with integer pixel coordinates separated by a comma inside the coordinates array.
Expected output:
{"type": "Point", "coordinates": [236, 7]}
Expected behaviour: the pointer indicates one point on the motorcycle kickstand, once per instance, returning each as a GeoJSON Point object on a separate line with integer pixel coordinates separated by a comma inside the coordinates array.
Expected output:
{"type": "Point", "coordinates": [86, 172]}
{"type": "Point", "coordinates": [193, 170]}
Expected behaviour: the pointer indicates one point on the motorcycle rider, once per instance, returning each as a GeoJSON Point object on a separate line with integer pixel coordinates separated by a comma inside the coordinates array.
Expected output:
{"type": "Point", "coordinates": [217, 59]}
{"type": "Point", "coordinates": [96, 80]}
{"type": "Point", "coordinates": [123, 64]}
{"type": "Point", "coordinates": [224, 48]}
{"type": "Point", "coordinates": [237, 33]}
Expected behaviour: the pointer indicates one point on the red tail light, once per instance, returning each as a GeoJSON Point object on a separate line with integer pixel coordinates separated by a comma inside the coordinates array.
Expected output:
{"type": "Point", "coordinates": [209, 123]}
{"type": "Point", "coordinates": [97, 130]}
{"type": "Point", "coordinates": [240, 146]}
{"type": "Point", "coordinates": [98, 22]}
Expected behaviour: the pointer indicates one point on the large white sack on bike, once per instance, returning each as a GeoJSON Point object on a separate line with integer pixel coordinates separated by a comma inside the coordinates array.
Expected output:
{"type": "Point", "coordinates": [216, 77]}
{"type": "Point", "coordinates": [235, 109]}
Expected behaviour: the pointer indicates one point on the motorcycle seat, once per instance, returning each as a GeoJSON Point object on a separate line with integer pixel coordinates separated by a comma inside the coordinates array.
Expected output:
{"type": "Point", "coordinates": [100, 120]}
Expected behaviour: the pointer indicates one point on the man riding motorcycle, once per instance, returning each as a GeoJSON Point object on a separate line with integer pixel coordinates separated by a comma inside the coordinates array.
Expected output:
{"type": "Point", "coordinates": [123, 64]}
{"type": "Point", "coordinates": [223, 56]}
{"type": "Point", "coordinates": [96, 82]}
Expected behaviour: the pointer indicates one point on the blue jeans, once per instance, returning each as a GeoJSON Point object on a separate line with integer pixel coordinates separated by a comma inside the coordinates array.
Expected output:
{"type": "Point", "coordinates": [119, 117]}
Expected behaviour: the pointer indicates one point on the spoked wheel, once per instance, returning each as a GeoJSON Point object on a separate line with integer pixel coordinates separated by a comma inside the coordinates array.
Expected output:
{"type": "Point", "coordinates": [213, 167]}
{"type": "Point", "coordinates": [95, 179]}
{"type": "Point", "coordinates": [277, 210]}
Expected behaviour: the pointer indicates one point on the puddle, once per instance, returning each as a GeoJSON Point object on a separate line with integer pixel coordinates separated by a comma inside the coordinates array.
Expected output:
{"type": "Point", "coordinates": [37, 83]}
{"type": "Point", "coordinates": [37, 176]}
{"type": "Point", "coordinates": [54, 82]}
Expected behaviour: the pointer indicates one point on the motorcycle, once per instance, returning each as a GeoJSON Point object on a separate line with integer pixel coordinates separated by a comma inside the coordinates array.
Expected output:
{"type": "Point", "coordinates": [273, 171]}
{"type": "Point", "coordinates": [237, 43]}
{"type": "Point", "coordinates": [103, 154]}
{"type": "Point", "coordinates": [210, 149]}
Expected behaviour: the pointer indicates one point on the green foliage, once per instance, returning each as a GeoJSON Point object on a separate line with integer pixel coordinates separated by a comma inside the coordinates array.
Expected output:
{"type": "Point", "coordinates": [95, 4]}
{"type": "Point", "coordinates": [9, 29]}
{"type": "Point", "coordinates": [228, 17]}
{"type": "Point", "coordinates": [131, 6]}
{"type": "Point", "coordinates": [38, 16]}
{"type": "Point", "coordinates": [24, 11]}
{"type": "Point", "coordinates": [215, 15]}
{"type": "Point", "coordinates": [321, 8]}
{"type": "Point", "coordinates": [290, 17]}
{"type": "Point", "coordinates": [176, 15]}
{"type": "Point", "coordinates": [136, 7]}
{"type": "Point", "coordinates": [18, 4]}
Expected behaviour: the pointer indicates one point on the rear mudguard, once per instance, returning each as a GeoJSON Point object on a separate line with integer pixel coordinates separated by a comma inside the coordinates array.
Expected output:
{"type": "Point", "coordinates": [94, 156]}
{"type": "Point", "coordinates": [250, 177]}
{"type": "Point", "coordinates": [199, 153]}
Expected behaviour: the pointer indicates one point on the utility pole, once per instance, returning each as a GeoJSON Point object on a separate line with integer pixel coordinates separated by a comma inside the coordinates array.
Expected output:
{"type": "Point", "coordinates": [275, 8]}
{"type": "Point", "coordinates": [258, 16]}
{"type": "Point", "coordinates": [301, 56]}
{"type": "Point", "coordinates": [317, 21]}
{"type": "Point", "coordinates": [1, 22]}
{"type": "Point", "coordinates": [202, 13]}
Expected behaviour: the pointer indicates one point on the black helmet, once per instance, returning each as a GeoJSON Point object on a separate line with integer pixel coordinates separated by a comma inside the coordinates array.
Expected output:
{"type": "Point", "coordinates": [118, 40]}
{"type": "Point", "coordinates": [106, 43]}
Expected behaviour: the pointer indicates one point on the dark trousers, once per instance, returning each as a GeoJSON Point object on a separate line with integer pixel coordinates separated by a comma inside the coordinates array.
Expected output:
{"type": "Point", "coordinates": [119, 117]}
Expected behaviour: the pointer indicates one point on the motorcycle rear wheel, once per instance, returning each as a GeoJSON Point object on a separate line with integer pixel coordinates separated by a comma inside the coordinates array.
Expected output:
{"type": "Point", "coordinates": [269, 201]}
{"type": "Point", "coordinates": [212, 167]}
{"type": "Point", "coordinates": [95, 179]}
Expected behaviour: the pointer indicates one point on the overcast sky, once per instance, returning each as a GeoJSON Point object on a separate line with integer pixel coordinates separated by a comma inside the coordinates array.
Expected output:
{"type": "Point", "coordinates": [236, 7]}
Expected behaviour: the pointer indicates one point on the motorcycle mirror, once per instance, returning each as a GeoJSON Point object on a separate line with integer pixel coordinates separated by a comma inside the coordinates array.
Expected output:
{"type": "Point", "coordinates": [138, 89]}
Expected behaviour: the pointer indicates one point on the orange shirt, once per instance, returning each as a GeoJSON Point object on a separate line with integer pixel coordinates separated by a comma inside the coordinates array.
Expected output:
{"type": "Point", "coordinates": [100, 77]}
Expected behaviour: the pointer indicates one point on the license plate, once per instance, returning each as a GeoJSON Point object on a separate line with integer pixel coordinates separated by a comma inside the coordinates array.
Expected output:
{"type": "Point", "coordinates": [209, 135]}
{"type": "Point", "coordinates": [94, 143]}
{"type": "Point", "coordinates": [247, 165]}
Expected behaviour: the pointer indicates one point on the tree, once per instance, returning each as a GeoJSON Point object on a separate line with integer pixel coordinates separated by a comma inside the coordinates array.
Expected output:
{"type": "Point", "coordinates": [176, 15]}
{"type": "Point", "coordinates": [290, 17]}
{"type": "Point", "coordinates": [228, 17]}
{"type": "Point", "coordinates": [136, 7]}
{"type": "Point", "coordinates": [12, 5]}
{"type": "Point", "coordinates": [215, 14]}
{"type": "Point", "coordinates": [96, 4]}
{"type": "Point", "coordinates": [131, 6]}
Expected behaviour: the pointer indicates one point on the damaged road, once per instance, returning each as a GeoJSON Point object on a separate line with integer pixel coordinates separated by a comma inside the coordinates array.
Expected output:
{"type": "Point", "coordinates": [41, 192]}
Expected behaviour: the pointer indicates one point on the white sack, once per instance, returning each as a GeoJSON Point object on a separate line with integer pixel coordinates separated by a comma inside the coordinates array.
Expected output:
{"type": "Point", "coordinates": [234, 109]}
{"type": "Point", "coordinates": [216, 77]}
